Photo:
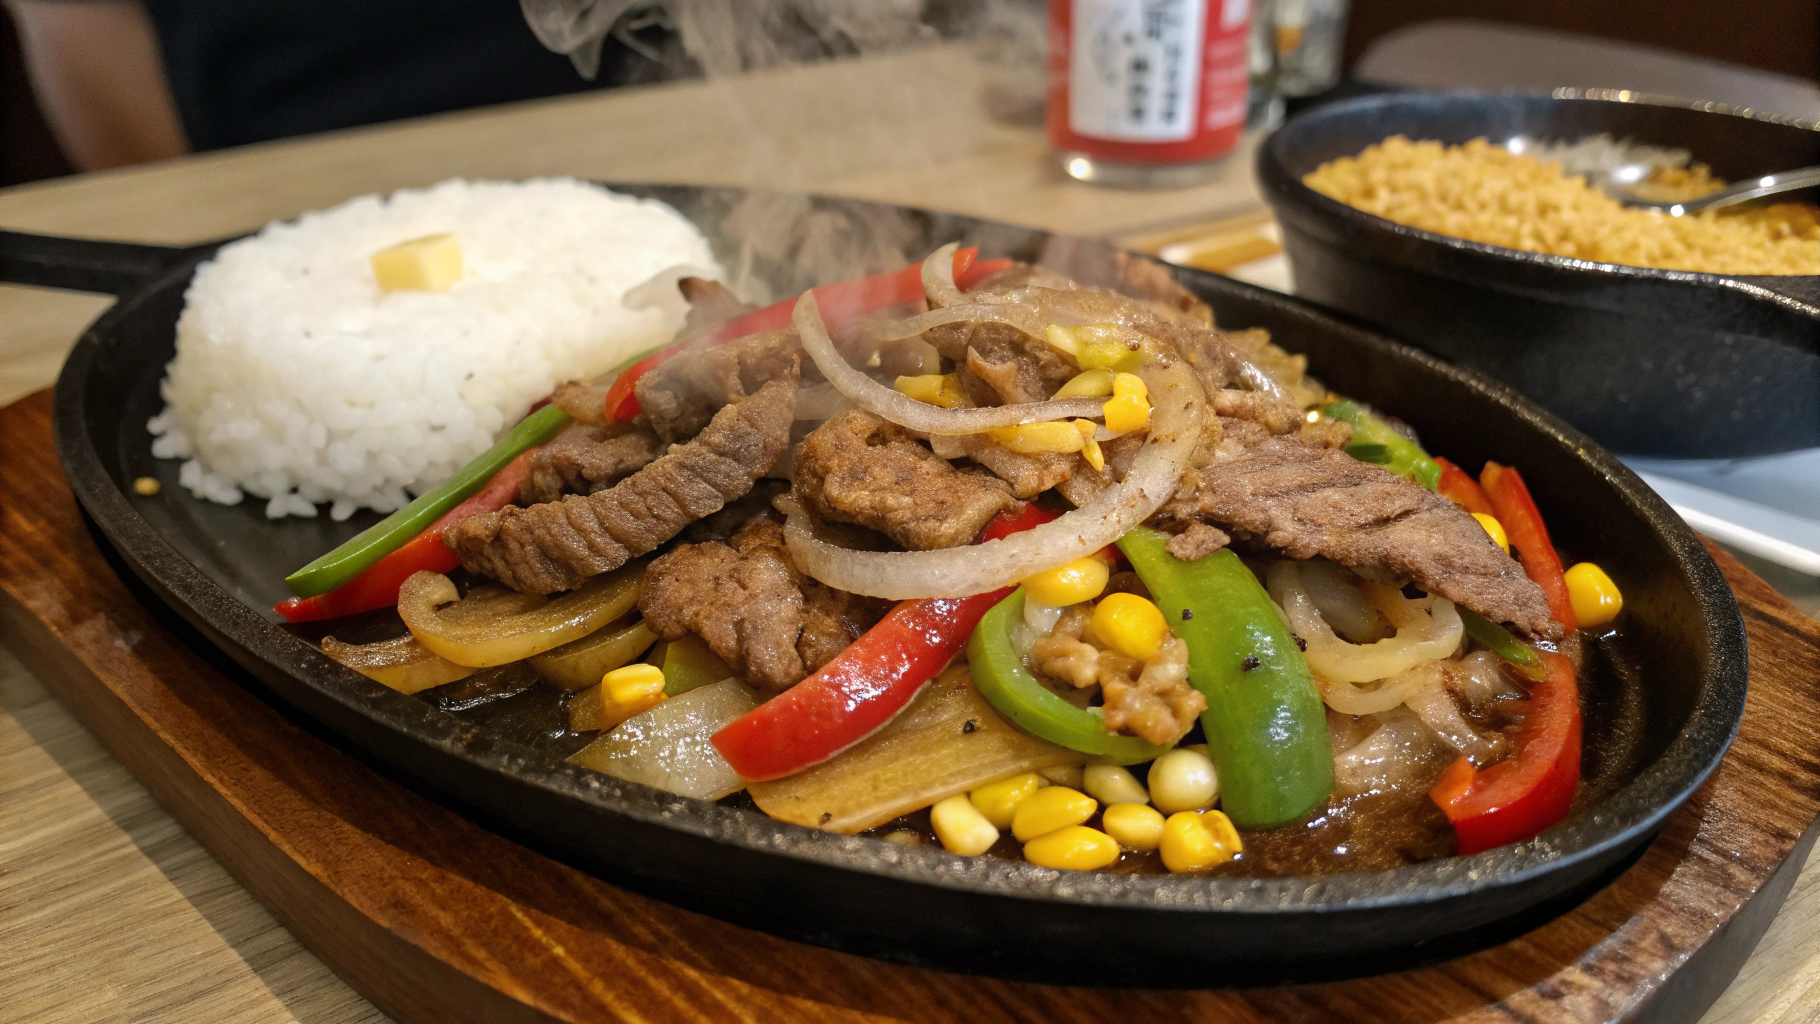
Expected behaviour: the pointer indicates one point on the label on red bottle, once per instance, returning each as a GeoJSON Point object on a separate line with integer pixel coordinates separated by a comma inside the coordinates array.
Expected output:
{"type": "Point", "coordinates": [1148, 81]}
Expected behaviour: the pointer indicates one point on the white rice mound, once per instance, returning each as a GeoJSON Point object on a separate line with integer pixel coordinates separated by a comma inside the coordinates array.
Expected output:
{"type": "Point", "coordinates": [297, 381]}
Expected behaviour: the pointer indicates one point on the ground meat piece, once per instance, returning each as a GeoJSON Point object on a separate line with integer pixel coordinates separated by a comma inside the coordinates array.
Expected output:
{"type": "Point", "coordinates": [1062, 654]}
{"type": "Point", "coordinates": [746, 600]}
{"type": "Point", "coordinates": [680, 396]}
{"type": "Point", "coordinates": [585, 458]}
{"type": "Point", "coordinates": [1198, 541]}
{"type": "Point", "coordinates": [858, 468]}
{"type": "Point", "coordinates": [1158, 706]}
{"type": "Point", "coordinates": [1151, 699]}
{"type": "Point", "coordinates": [1306, 500]}
{"type": "Point", "coordinates": [559, 544]}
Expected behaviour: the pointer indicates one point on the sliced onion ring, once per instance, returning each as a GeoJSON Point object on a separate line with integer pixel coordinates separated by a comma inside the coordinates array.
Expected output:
{"type": "Point", "coordinates": [938, 277]}
{"type": "Point", "coordinates": [1178, 408]}
{"type": "Point", "coordinates": [905, 411]}
{"type": "Point", "coordinates": [1021, 317]}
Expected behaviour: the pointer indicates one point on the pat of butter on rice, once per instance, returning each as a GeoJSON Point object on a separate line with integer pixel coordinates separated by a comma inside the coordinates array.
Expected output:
{"type": "Point", "coordinates": [297, 380]}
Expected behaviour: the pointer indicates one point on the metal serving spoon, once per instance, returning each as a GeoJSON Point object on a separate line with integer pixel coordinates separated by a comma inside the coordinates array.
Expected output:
{"type": "Point", "coordinates": [1739, 192]}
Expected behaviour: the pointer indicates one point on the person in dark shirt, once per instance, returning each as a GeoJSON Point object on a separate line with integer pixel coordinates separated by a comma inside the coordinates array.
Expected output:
{"type": "Point", "coordinates": [124, 81]}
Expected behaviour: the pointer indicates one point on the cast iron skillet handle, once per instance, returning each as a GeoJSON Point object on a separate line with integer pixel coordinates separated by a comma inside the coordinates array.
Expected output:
{"type": "Point", "coordinates": [82, 264]}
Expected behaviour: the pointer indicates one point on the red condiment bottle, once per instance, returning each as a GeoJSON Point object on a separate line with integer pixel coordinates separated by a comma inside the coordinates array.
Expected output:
{"type": "Point", "coordinates": [1147, 92]}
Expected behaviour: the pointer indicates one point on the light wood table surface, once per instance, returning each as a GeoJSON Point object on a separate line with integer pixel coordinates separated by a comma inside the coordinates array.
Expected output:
{"type": "Point", "coordinates": [108, 910]}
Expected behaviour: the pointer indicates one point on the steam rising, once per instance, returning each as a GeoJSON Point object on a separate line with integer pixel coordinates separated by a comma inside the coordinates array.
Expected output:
{"type": "Point", "coordinates": [725, 37]}
{"type": "Point", "coordinates": [781, 242]}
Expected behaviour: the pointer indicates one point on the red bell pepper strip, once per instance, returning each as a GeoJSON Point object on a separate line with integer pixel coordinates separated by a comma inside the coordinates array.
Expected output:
{"type": "Point", "coordinates": [1462, 490]}
{"type": "Point", "coordinates": [1522, 521]}
{"type": "Point", "coordinates": [865, 685]}
{"type": "Point", "coordinates": [839, 303]}
{"type": "Point", "coordinates": [377, 586]}
{"type": "Point", "coordinates": [1532, 789]}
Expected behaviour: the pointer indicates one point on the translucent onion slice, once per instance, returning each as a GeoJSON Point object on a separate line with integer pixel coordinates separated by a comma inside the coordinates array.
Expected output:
{"type": "Point", "coordinates": [670, 746]}
{"type": "Point", "coordinates": [1021, 317]}
{"type": "Point", "coordinates": [905, 411]}
{"type": "Point", "coordinates": [1178, 408]}
{"type": "Point", "coordinates": [494, 626]}
{"type": "Point", "coordinates": [938, 277]}
{"type": "Point", "coordinates": [400, 663]}
{"type": "Point", "coordinates": [1427, 630]}
{"type": "Point", "coordinates": [1436, 708]}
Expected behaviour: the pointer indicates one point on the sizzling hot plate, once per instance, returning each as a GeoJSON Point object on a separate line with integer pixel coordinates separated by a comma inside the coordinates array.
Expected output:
{"type": "Point", "coordinates": [1663, 363]}
{"type": "Point", "coordinates": [1662, 703]}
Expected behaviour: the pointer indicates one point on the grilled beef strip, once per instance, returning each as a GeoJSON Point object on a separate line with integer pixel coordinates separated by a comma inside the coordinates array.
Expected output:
{"type": "Point", "coordinates": [1306, 499]}
{"type": "Point", "coordinates": [746, 599]}
{"type": "Point", "coordinates": [585, 458]}
{"type": "Point", "coordinates": [859, 468]}
{"type": "Point", "coordinates": [679, 396]}
{"type": "Point", "coordinates": [558, 545]}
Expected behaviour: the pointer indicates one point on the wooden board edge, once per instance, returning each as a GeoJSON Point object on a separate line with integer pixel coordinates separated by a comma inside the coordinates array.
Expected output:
{"type": "Point", "coordinates": [399, 977]}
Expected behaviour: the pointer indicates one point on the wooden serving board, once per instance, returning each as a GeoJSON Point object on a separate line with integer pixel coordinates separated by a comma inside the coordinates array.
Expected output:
{"type": "Point", "coordinates": [436, 919]}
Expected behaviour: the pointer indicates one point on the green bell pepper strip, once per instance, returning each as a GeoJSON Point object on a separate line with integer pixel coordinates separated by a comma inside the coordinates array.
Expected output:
{"type": "Point", "coordinates": [1000, 676]}
{"type": "Point", "coordinates": [1499, 641]}
{"type": "Point", "coordinates": [1378, 442]}
{"type": "Point", "coordinates": [1265, 723]}
{"type": "Point", "coordinates": [357, 555]}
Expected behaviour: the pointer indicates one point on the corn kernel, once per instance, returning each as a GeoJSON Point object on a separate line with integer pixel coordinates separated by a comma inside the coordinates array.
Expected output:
{"type": "Point", "coordinates": [1062, 338]}
{"type": "Point", "coordinates": [1183, 780]}
{"type": "Point", "coordinates": [1188, 845]}
{"type": "Point", "coordinates": [1087, 384]}
{"type": "Point", "coordinates": [1130, 385]}
{"type": "Point", "coordinates": [1074, 848]}
{"type": "Point", "coordinates": [1495, 529]}
{"type": "Point", "coordinates": [1090, 445]}
{"type": "Point", "coordinates": [1130, 625]}
{"type": "Point", "coordinates": [998, 801]}
{"type": "Point", "coordinates": [430, 264]}
{"type": "Point", "coordinates": [1046, 810]}
{"type": "Point", "coordinates": [1083, 579]}
{"type": "Point", "coordinates": [943, 389]}
{"type": "Point", "coordinates": [1595, 597]}
{"type": "Point", "coordinates": [961, 827]}
{"type": "Point", "coordinates": [1126, 414]}
{"type": "Point", "coordinates": [1032, 438]}
{"type": "Point", "coordinates": [1097, 346]}
{"type": "Point", "coordinates": [1224, 831]}
{"type": "Point", "coordinates": [1136, 826]}
{"type": "Point", "coordinates": [631, 689]}
{"type": "Point", "coordinates": [1110, 784]}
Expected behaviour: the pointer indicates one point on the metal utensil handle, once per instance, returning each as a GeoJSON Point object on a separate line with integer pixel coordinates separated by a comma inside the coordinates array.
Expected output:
{"type": "Point", "coordinates": [1768, 185]}
{"type": "Point", "coordinates": [82, 264]}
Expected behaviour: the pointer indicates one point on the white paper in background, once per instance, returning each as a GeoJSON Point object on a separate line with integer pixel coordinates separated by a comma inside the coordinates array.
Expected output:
{"type": "Point", "coordinates": [1768, 506]}
{"type": "Point", "coordinates": [1134, 69]}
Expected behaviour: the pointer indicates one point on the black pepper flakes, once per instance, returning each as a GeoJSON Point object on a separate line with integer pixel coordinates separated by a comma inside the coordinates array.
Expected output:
{"type": "Point", "coordinates": [1187, 613]}
{"type": "Point", "coordinates": [970, 726]}
{"type": "Point", "coordinates": [1251, 661]}
{"type": "Point", "coordinates": [1300, 644]}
